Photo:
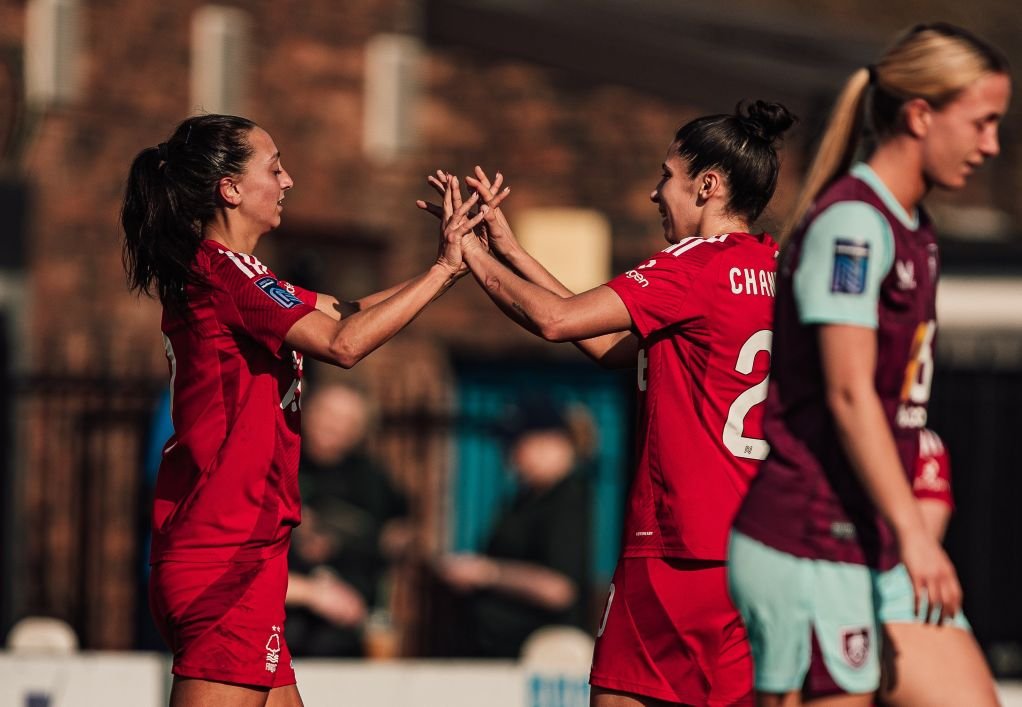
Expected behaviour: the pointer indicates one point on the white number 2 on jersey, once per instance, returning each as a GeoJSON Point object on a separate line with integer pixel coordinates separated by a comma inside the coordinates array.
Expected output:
{"type": "Point", "coordinates": [734, 439]}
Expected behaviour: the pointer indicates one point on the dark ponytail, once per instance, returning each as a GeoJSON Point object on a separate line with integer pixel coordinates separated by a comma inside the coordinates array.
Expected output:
{"type": "Point", "coordinates": [170, 195]}
{"type": "Point", "coordinates": [742, 145]}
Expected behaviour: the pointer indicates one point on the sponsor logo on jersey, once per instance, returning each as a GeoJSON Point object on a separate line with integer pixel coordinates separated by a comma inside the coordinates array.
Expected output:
{"type": "Point", "coordinates": [842, 530]}
{"type": "Point", "coordinates": [910, 417]}
{"type": "Point", "coordinates": [855, 646]}
{"type": "Point", "coordinates": [638, 277]}
{"type": "Point", "coordinates": [851, 262]}
{"type": "Point", "coordinates": [906, 273]}
{"type": "Point", "coordinates": [276, 292]}
{"type": "Point", "coordinates": [273, 650]}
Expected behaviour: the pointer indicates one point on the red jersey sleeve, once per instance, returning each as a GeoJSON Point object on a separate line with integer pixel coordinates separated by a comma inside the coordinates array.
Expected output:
{"type": "Point", "coordinates": [932, 478]}
{"type": "Point", "coordinates": [664, 290]}
{"type": "Point", "coordinates": [307, 296]}
{"type": "Point", "coordinates": [256, 303]}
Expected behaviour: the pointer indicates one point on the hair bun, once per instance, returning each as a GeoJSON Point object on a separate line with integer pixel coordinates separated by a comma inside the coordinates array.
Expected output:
{"type": "Point", "coordinates": [763, 120]}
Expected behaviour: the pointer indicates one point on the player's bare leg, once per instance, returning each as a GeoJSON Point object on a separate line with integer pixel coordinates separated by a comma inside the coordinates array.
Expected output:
{"type": "Point", "coordinates": [772, 699]}
{"type": "Point", "coordinates": [794, 699]}
{"type": "Point", "coordinates": [188, 692]}
{"type": "Point", "coordinates": [856, 700]}
{"type": "Point", "coordinates": [601, 697]}
{"type": "Point", "coordinates": [946, 667]}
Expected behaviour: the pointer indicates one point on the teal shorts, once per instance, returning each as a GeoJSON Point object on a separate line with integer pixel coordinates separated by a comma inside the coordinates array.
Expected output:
{"type": "Point", "coordinates": [894, 598]}
{"type": "Point", "coordinates": [786, 601]}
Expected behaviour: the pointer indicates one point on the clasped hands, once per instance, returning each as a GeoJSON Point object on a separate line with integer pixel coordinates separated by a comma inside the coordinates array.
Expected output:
{"type": "Point", "coordinates": [467, 224]}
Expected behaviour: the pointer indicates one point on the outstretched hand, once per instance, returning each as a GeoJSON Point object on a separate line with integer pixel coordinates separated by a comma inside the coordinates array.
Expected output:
{"type": "Point", "coordinates": [489, 193]}
{"type": "Point", "coordinates": [457, 223]}
{"type": "Point", "coordinates": [439, 183]}
{"type": "Point", "coordinates": [499, 234]}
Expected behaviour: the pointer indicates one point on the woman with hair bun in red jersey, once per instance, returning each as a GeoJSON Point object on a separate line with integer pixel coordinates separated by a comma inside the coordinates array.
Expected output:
{"type": "Point", "coordinates": [694, 320]}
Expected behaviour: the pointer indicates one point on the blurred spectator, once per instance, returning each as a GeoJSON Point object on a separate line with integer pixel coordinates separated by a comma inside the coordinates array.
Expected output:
{"type": "Point", "coordinates": [354, 523]}
{"type": "Point", "coordinates": [535, 568]}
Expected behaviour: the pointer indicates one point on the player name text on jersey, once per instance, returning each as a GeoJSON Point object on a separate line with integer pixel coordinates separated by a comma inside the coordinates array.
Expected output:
{"type": "Point", "coordinates": [751, 281]}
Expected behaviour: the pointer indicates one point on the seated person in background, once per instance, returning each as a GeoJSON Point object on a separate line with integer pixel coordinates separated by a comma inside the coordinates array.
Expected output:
{"type": "Point", "coordinates": [354, 523]}
{"type": "Point", "coordinates": [535, 568]}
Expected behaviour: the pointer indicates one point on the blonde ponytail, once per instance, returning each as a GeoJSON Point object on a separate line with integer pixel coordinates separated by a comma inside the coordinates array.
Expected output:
{"type": "Point", "coordinates": [934, 61]}
{"type": "Point", "coordinates": [837, 147]}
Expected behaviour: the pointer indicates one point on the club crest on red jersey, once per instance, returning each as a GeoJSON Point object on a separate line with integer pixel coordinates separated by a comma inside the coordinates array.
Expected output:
{"type": "Point", "coordinates": [855, 646]}
{"type": "Point", "coordinates": [273, 650]}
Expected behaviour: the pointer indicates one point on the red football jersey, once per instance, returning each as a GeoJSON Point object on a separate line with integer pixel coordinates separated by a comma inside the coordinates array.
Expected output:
{"type": "Point", "coordinates": [932, 477]}
{"type": "Point", "coordinates": [702, 309]}
{"type": "Point", "coordinates": [227, 488]}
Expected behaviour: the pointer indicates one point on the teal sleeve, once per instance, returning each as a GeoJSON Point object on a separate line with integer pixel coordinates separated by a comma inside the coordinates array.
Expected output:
{"type": "Point", "coordinates": [846, 253]}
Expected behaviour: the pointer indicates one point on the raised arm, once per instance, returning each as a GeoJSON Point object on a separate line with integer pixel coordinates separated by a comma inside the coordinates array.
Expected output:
{"type": "Point", "coordinates": [347, 341]}
{"type": "Point", "coordinates": [616, 349]}
{"type": "Point", "coordinates": [849, 355]}
{"type": "Point", "coordinates": [337, 309]}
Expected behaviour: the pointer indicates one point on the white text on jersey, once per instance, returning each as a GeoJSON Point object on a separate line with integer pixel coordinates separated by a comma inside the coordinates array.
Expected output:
{"type": "Point", "coordinates": [750, 281]}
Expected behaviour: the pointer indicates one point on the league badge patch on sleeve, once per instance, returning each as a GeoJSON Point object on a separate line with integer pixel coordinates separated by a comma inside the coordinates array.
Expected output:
{"type": "Point", "coordinates": [276, 292]}
{"type": "Point", "coordinates": [851, 261]}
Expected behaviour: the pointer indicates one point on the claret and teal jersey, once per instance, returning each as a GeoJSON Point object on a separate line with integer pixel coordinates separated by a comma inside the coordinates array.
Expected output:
{"type": "Point", "coordinates": [859, 259]}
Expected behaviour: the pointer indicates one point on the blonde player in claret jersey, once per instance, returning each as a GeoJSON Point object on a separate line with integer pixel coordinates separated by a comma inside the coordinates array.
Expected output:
{"type": "Point", "coordinates": [695, 320]}
{"type": "Point", "coordinates": [830, 522]}
{"type": "Point", "coordinates": [195, 208]}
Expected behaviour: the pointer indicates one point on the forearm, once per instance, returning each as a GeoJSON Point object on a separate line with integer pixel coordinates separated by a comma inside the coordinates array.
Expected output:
{"type": "Point", "coordinates": [535, 584]}
{"type": "Point", "coordinates": [532, 270]}
{"type": "Point", "coordinates": [614, 350]}
{"type": "Point", "coordinates": [368, 329]}
{"type": "Point", "coordinates": [529, 305]}
{"type": "Point", "coordinates": [588, 315]}
{"type": "Point", "coordinates": [347, 341]}
{"type": "Point", "coordinates": [338, 308]}
{"type": "Point", "coordinates": [936, 515]}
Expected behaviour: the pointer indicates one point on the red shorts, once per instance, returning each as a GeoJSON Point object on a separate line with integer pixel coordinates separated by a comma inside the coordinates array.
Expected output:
{"type": "Point", "coordinates": [224, 621]}
{"type": "Point", "coordinates": [671, 632]}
